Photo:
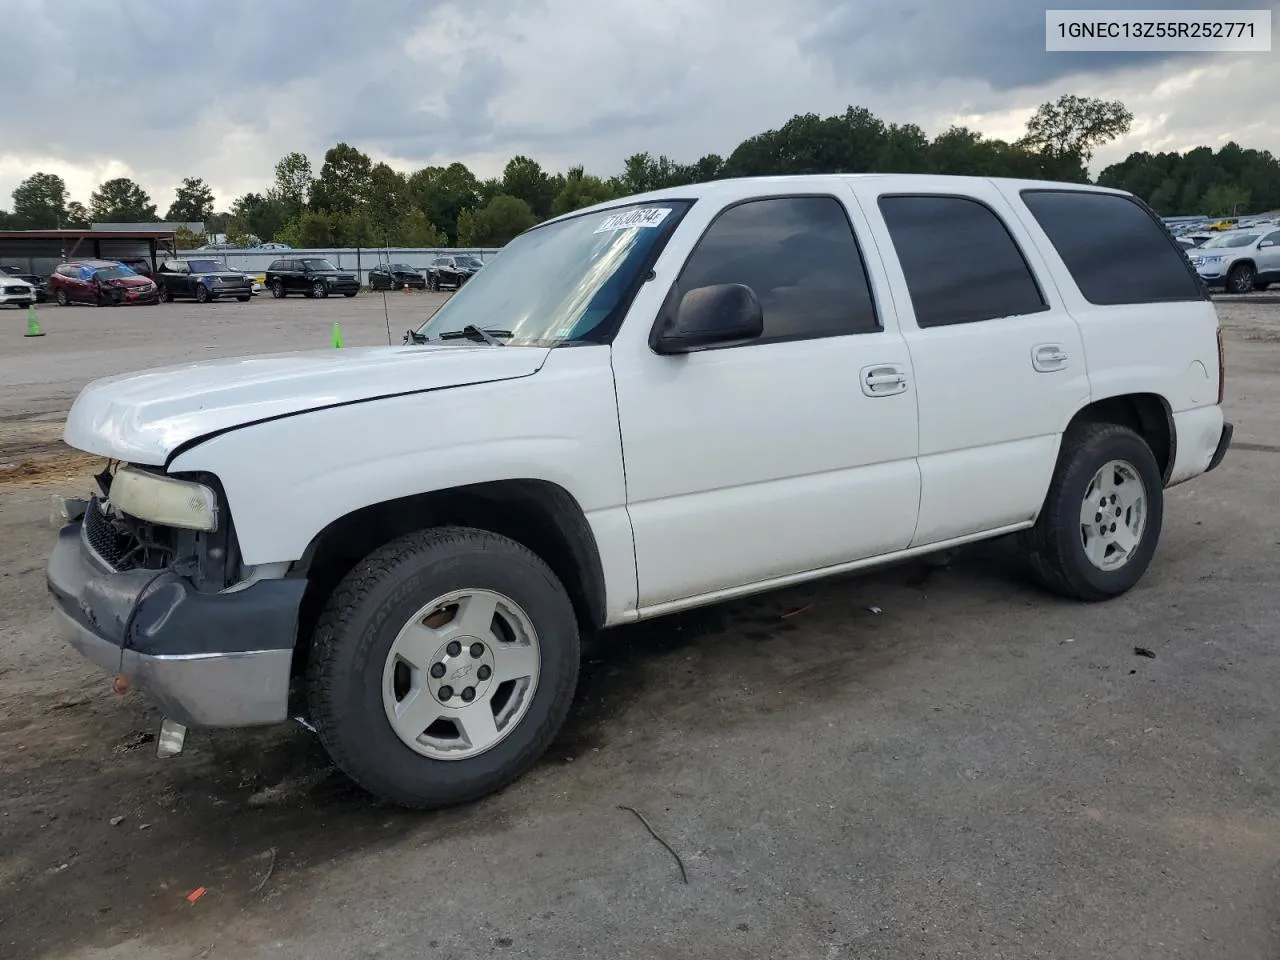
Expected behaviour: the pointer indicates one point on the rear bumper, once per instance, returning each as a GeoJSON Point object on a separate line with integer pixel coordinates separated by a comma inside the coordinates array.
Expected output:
{"type": "Point", "coordinates": [205, 659]}
{"type": "Point", "coordinates": [1223, 443]}
{"type": "Point", "coordinates": [1199, 439]}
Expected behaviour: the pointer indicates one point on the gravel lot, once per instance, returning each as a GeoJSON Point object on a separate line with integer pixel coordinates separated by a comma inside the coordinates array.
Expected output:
{"type": "Point", "coordinates": [913, 764]}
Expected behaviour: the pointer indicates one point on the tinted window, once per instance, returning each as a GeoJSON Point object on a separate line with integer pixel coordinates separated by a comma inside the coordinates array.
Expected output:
{"type": "Point", "coordinates": [800, 257]}
{"type": "Point", "coordinates": [1116, 251]}
{"type": "Point", "coordinates": [960, 262]}
{"type": "Point", "coordinates": [276, 265]}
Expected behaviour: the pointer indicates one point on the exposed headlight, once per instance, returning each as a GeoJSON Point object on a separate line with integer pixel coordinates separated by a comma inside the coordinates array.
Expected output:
{"type": "Point", "coordinates": [164, 500]}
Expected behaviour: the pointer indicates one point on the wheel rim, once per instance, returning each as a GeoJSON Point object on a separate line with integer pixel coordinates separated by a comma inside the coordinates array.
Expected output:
{"type": "Point", "coordinates": [278, 289]}
{"type": "Point", "coordinates": [474, 644]}
{"type": "Point", "coordinates": [1244, 282]}
{"type": "Point", "coordinates": [317, 290]}
{"type": "Point", "coordinates": [1113, 516]}
{"type": "Point", "coordinates": [62, 298]}
{"type": "Point", "coordinates": [202, 294]}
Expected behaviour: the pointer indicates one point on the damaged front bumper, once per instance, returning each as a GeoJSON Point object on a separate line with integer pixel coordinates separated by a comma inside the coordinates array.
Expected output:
{"type": "Point", "coordinates": [205, 659]}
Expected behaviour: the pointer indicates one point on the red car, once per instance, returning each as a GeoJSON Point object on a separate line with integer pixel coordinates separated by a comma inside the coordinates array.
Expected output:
{"type": "Point", "coordinates": [105, 283]}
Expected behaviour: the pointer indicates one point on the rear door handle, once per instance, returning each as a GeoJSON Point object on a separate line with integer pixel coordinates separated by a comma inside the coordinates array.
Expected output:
{"type": "Point", "coordinates": [1048, 357]}
{"type": "Point", "coordinates": [883, 380]}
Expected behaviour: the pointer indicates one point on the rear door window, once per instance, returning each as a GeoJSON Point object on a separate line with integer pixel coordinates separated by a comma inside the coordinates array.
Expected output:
{"type": "Point", "coordinates": [959, 259]}
{"type": "Point", "coordinates": [1115, 249]}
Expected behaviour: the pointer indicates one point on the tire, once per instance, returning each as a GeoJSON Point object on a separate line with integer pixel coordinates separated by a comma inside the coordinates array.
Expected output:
{"type": "Point", "coordinates": [351, 664]}
{"type": "Point", "coordinates": [350, 293]}
{"type": "Point", "coordinates": [61, 297]}
{"type": "Point", "coordinates": [1240, 279]}
{"type": "Point", "coordinates": [163, 294]}
{"type": "Point", "coordinates": [319, 290]}
{"type": "Point", "coordinates": [277, 290]}
{"type": "Point", "coordinates": [202, 293]}
{"type": "Point", "coordinates": [1056, 546]}
{"type": "Point", "coordinates": [245, 298]}
{"type": "Point", "coordinates": [433, 283]}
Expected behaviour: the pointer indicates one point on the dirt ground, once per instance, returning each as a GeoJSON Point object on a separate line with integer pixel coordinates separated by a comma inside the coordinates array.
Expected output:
{"type": "Point", "coordinates": [918, 763]}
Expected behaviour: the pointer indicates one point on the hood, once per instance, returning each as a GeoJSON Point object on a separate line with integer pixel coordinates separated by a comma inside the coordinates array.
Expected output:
{"type": "Point", "coordinates": [345, 274]}
{"type": "Point", "coordinates": [232, 274]}
{"type": "Point", "coordinates": [145, 417]}
{"type": "Point", "coordinates": [128, 282]}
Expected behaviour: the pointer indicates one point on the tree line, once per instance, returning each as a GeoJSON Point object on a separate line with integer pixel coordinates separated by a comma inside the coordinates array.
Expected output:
{"type": "Point", "coordinates": [353, 201]}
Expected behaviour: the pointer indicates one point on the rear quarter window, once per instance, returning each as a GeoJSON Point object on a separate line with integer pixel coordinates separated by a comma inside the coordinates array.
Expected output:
{"type": "Point", "coordinates": [1115, 249]}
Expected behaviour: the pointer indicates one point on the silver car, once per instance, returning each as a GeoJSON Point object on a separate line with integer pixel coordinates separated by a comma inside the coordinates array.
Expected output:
{"type": "Point", "coordinates": [1240, 261]}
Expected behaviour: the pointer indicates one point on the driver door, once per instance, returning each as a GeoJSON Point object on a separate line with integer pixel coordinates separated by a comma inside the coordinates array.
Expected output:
{"type": "Point", "coordinates": [748, 464]}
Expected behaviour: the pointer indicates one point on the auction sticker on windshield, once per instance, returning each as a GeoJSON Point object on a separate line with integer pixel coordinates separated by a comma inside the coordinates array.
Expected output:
{"type": "Point", "coordinates": [643, 217]}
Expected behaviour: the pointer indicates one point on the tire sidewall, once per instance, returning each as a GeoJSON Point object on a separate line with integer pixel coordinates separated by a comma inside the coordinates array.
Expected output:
{"type": "Point", "coordinates": [1088, 459]}
{"type": "Point", "coordinates": [354, 722]}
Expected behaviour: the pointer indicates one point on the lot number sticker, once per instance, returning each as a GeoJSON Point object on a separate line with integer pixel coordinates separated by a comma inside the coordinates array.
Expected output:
{"type": "Point", "coordinates": [643, 217]}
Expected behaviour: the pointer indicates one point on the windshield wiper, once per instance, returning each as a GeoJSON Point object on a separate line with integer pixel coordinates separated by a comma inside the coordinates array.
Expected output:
{"type": "Point", "coordinates": [472, 332]}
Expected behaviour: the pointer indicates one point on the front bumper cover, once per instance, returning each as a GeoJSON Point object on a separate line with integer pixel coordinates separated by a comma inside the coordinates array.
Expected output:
{"type": "Point", "coordinates": [205, 659]}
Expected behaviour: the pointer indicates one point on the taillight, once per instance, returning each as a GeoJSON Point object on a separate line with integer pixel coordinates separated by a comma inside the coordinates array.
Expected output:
{"type": "Point", "coordinates": [1222, 369]}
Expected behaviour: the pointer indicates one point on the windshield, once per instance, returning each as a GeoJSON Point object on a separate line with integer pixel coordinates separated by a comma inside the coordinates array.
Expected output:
{"type": "Point", "coordinates": [114, 273]}
{"type": "Point", "coordinates": [205, 266]}
{"type": "Point", "coordinates": [1230, 240]}
{"type": "Point", "coordinates": [471, 262]}
{"type": "Point", "coordinates": [318, 263]}
{"type": "Point", "coordinates": [557, 283]}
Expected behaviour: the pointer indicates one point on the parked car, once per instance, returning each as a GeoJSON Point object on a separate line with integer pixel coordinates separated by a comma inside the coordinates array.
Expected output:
{"type": "Point", "coordinates": [451, 271]}
{"type": "Point", "coordinates": [16, 291]}
{"type": "Point", "coordinates": [202, 280]}
{"type": "Point", "coordinates": [41, 293]}
{"type": "Point", "coordinates": [786, 366]}
{"type": "Point", "coordinates": [272, 246]}
{"type": "Point", "coordinates": [1193, 240]}
{"type": "Point", "coordinates": [310, 276]}
{"type": "Point", "coordinates": [1240, 261]}
{"type": "Point", "coordinates": [396, 276]}
{"type": "Point", "coordinates": [100, 282]}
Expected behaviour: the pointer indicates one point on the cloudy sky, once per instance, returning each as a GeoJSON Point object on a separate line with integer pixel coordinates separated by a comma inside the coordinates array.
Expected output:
{"type": "Point", "coordinates": [222, 88]}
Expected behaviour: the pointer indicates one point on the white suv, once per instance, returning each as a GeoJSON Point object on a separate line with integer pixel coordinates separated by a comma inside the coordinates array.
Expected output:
{"type": "Point", "coordinates": [638, 408]}
{"type": "Point", "coordinates": [1239, 260]}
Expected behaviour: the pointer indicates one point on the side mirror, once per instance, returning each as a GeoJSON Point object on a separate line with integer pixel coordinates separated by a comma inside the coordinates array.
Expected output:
{"type": "Point", "coordinates": [717, 315]}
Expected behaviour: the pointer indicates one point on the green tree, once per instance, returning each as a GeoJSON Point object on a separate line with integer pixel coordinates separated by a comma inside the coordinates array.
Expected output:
{"type": "Point", "coordinates": [524, 178]}
{"type": "Point", "coordinates": [121, 201]}
{"type": "Point", "coordinates": [258, 215]}
{"type": "Point", "coordinates": [496, 223]}
{"type": "Point", "coordinates": [40, 202]}
{"type": "Point", "coordinates": [77, 215]}
{"type": "Point", "coordinates": [310, 229]}
{"type": "Point", "coordinates": [388, 200]}
{"type": "Point", "coordinates": [344, 182]}
{"type": "Point", "coordinates": [1225, 200]}
{"type": "Point", "coordinates": [293, 182]}
{"type": "Point", "coordinates": [184, 239]}
{"type": "Point", "coordinates": [193, 201]}
{"type": "Point", "coordinates": [1071, 127]}
{"type": "Point", "coordinates": [443, 193]}
{"type": "Point", "coordinates": [580, 190]}
{"type": "Point", "coordinates": [415, 230]}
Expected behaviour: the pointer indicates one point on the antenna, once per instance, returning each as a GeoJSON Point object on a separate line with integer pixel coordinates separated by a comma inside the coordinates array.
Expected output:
{"type": "Point", "coordinates": [386, 252]}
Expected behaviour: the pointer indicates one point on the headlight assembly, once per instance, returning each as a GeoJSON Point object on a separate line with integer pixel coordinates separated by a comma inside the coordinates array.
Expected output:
{"type": "Point", "coordinates": [164, 500]}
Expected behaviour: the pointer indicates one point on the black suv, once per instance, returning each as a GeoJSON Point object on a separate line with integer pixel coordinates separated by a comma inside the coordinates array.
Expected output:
{"type": "Point", "coordinates": [396, 276]}
{"type": "Point", "coordinates": [451, 271]}
{"type": "Point", "coordinates": [204, 280]}
{"type": "Point", "coordinates": [310, 276]}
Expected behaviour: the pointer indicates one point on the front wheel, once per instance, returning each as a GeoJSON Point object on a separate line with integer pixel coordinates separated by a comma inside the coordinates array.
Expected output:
{"type": "Point", "coordinates": [245, 298]}
{"type": "Point", "coordinates": [202, 293]}
{"type": "Point", "coordinates": [1240, 279]}
{"type": "Point", "coordinates": [319, 290]}
{"type": "Point", "coordinates": [350, 293]}
{"type": "Point", "coordinates": [1102, 517]}
{"type": "Point", "coordinates": [443, 666]}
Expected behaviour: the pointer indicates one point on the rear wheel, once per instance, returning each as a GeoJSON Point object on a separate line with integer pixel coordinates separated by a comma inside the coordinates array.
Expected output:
{"type": "Point", "coordinates": [350, 293]}
{"type": "Point", "coordinates": [442, 667]}
{"type": "Point", "coordinates": [61, 297]}
{"type": "Point", "coordinates": [163, 294]}
{"type": "Point", "coordinates": [1240, 279]}
{"type": "Point", "coordinates": [277, 290]}
{"type": "Point", "coordinates": [1102, 517]}
{"type": "Point", "coordinates": [245, 298]}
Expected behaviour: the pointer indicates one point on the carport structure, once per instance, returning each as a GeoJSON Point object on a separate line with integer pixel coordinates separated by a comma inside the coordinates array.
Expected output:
{"type": "Point", "coordinates": [40, 251]}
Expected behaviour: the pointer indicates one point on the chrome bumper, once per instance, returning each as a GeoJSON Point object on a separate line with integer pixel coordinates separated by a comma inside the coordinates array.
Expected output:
{"type": "Point", "coordinates": [206, 660]}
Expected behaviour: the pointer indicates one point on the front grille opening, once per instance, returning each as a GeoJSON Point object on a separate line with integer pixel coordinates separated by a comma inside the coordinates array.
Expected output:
{"type": "Point", "coordinates": [124, 544]}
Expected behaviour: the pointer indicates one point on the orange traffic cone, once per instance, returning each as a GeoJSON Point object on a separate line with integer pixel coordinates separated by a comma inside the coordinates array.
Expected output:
{"type": "Point", "coordinates": [406, 288]}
